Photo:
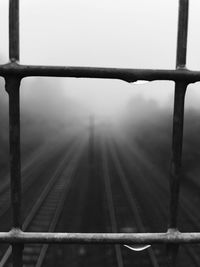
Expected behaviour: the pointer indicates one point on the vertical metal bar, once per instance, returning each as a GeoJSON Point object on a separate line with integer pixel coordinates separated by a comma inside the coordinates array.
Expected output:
{"type": "Point", "coordinates": [182, 33]}
{"type": "Point", "coordinates": [178, 120]}
{"type": "Point", "coordinates": [177, 141]}
{"type": "Point", "coordinates": [14, 30]}
{"type": "Point", "coordinates": [12, 87]}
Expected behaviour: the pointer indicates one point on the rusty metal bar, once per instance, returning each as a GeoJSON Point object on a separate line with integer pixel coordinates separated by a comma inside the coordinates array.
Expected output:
{"type": "Point", "coordinates": [174, 237]}
{"type": "Point", "coordinates": [128, 75]}
{"type": "Point", "coordinates": [178, 121]}
{"type": "Point", "coordinates": [177, 142]}
{"type": "Point", "coordinates": [14, 30]}
{"type": "Point", "coordinates": [178, 118]}
{"type": "Point", "coordinates": [12, 87]}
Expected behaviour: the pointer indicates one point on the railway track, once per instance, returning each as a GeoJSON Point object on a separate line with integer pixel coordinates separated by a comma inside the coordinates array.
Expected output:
{"type": "Point", "coordinates": [189, 254]}
{"type": "Point", "coordinates": [85, 209]}
{"type": "Point", "coordinates": [121, 204]}
{"type": "Point", "coordinates": [92, 217]}
{"type": "Point", "coordinates": [33, 181]}
{"type": "Point", "coordinates": [45, 213]}
{"type": "Point", "coordinates": [29, 175]}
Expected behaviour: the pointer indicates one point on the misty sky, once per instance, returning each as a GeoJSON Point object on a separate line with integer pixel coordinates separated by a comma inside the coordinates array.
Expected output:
{"type": "Point", "coordinates": [110, 33]}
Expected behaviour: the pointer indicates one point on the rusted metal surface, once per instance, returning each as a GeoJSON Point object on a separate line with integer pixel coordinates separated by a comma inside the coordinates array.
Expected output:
{"type": "Point", "coordinates": [175, 178]}
{"type": "Point", "coordinates": [13, 87]}
{"type": "Point", "coordinates": [177, 142]}
{"type": "Point", "coordinates": [173, 237]}
{"type": "Point", "coordinates": [127, 75]}
{"type": "Point", "coordinates": [178, 121]}
{"type": "Point", "coordinates": [178, 117]}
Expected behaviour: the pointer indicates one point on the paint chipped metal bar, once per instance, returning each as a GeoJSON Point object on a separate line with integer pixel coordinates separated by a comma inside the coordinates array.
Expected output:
{"type": "Point", "coordinates": [127, 75]}
{"type": "Point", "coordinates": [172, 237]}
{"type": "Point", "coordinates": [12, 87]}
{"type": "Point", "coordinates": [178, 121]}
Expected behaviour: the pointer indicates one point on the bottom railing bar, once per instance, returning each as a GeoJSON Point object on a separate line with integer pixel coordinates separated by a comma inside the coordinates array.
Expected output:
{"type": "Point", "coordinates": [174, 237]}
{"type": "Point", "coordinates": [128, 75]}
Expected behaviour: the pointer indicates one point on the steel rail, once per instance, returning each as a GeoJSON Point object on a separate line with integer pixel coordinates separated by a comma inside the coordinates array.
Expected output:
{"type": "Point", "coordinates": [125, 74]}
{"type": "Point", "coordinates": [110, 202]}
{"type": "Point", "coordinates": [59, 207]}
{"type": "Point", "coordinates": [139, 158]}
{"type": "Point", "coordinates": [58, 172]}
{"type": "Point", "coordinates": [25, 183]}
{"type": "Point", "coordinates": [132, 202]}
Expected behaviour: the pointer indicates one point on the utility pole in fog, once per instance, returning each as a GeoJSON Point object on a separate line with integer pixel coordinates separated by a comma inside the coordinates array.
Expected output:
{"type": "Point", "coordinates": [91, 144]}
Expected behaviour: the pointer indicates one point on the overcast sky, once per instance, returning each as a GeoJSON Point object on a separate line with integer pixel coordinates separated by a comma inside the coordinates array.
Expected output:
{"type": "Point", "coordinates": [110, 33]}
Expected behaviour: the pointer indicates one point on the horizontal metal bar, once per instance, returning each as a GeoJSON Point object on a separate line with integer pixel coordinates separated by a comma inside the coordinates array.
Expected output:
{"type": "Point", "coordinates": [128, 75]}
{"type": "Point", "coordinates": [173, 236]}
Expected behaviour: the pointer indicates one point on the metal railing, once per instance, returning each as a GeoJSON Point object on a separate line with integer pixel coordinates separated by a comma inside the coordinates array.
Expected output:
{"type": "Point", "coordinates": [13, 73]}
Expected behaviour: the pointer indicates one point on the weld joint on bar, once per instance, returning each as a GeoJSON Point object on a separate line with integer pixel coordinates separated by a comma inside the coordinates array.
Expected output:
{"type": "Point", "coordinates": [12, 82]}
{"type": "Point", "coordinates": [173, 231]}
{"type": "Point", "coordinates": [182, 67]}
{"type": "Point", "coordinates": [15, 232]}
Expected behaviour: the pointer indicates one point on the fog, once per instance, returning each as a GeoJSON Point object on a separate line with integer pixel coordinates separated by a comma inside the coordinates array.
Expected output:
{"type": "Point", "coordinates": [130, 34]}
{"type": "Point", "coordinates": [126, 34]}
{"type": "Point", "coordinates": [134, 119]}
{"type": "Point", "coordinates": [105, 34]}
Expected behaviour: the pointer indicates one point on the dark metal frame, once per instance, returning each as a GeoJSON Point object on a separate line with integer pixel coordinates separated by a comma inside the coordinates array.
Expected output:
{"type": "Point", "coordinates": [13, 73]}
